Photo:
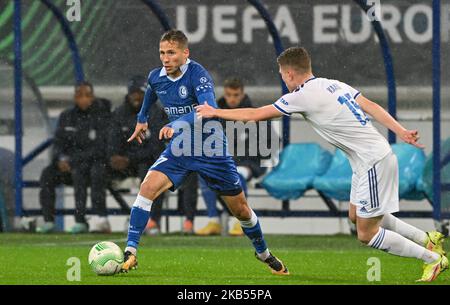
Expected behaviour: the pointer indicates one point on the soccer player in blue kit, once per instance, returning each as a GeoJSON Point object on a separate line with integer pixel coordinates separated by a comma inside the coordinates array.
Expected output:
{"type": "Point", "coordinates": [181, 84]}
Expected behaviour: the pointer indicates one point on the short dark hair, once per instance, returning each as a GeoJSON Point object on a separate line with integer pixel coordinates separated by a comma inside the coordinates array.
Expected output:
{"type": "Point", "coordinates": [84, 83]}
{"type": "Point", "coordinates": [175, 36]}
{"type": "Point", "coordinates": [297, 58]}
{"type": "Point", "coordinates": [233, 83]}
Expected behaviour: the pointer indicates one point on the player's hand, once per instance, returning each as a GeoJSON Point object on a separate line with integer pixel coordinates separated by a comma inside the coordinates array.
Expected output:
{"type": "Point", "coordinates": [205, 111]}
{"type": "Point", "coordinates": [139, 132]}
{"type": "Point", "coordinates": [166, 132]}
{"type": "Point", "coordinates": [411, 137]}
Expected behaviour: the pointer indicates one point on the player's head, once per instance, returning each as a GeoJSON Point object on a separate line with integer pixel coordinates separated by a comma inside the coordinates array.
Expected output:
{"type": "Point", "coordinates": [173, 51]}
{"type": "Point", "coordinates": [136, 90]}
{"type": "Point", "coordinates": [233, 92]}
{"type": "Point", "coordinates": [295, 65]}
{"type": "Point", "coordinates": [84, 94]}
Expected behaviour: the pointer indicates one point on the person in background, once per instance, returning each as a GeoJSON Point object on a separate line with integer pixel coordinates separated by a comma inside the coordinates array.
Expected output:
{"type": "Point", "coordinates": [79, 150]}
{"type": "Point", "coordinates": [187, 201]}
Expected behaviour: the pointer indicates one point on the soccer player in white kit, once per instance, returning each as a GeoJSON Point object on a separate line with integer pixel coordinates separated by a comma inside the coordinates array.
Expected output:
{"type": "Point", "coordinates": [337, 112]}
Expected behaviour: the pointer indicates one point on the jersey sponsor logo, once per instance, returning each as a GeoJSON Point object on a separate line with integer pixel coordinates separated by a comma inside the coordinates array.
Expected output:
{"type": "Point", "coordinates": [183, 92]}
{"type": "Point", "coordinates": [179, 110]}
{"type": "Point", "coordinates": [282, 100]}
{"type": "Point", "coordinates": [203, 80]}
{"type": "Point", "coordinates": [161, 92]}
{"type": "Point", "coordinates": [70, 128]}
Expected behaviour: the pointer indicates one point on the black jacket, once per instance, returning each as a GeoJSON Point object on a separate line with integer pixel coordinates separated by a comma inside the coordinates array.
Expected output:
{"type": "Point", "coordinates": [253, 162]}
{"type": "Point", "coordinates": [81, 136]}
{"type": "Point", "coordinates": [122, 127]}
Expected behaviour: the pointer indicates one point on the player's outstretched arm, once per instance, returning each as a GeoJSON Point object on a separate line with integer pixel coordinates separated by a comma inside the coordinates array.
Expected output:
{"type": "Point", "coordinates": [384, 118]}
{"type": "Point", "coordinates": [241, 114]}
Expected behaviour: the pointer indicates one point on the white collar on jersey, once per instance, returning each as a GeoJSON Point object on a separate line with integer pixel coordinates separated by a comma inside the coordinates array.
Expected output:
{"type": "Point", "coordinates": [183, 69]}
{"type": "Point", "coordinates": [302, 85]}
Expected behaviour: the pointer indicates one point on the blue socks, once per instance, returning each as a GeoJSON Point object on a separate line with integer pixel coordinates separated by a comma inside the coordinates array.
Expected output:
{"type": "Point", "coordinates": [253, 231]}
{"type": "Point", "coordinates": [140, 214]}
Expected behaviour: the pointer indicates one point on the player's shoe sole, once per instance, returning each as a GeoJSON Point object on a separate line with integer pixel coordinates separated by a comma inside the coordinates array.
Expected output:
{"type": "Point", "coordinates": [431, 271]}
{"type": "Point", "coordinates": [129, 262]}
{"type": "Point", "coordinates": [435, 241]}
{"type": "Point", "coordinates": [275, 265]}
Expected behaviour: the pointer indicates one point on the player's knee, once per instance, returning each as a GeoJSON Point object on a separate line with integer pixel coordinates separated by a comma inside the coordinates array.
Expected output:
{"type": "Point", "coordinates": [242, 213]}
{"type": "Point", "coordinates": [148, 190]}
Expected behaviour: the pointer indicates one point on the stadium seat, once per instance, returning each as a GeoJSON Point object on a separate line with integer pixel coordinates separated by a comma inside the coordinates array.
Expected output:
{"type": "Point", "coordinates": [337, 181]}
{"type": "Point", "coordinates": [411, 162]}
{"type": "Point", "coordinates": [418, 193]}
{"type": "Point", "coordinates": [427, 177]}
{"type": "Point", "coordinates": [299, 164]}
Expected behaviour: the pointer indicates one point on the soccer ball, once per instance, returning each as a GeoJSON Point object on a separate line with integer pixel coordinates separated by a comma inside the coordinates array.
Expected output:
{"type": "Point", "coordinates": [106, 258]}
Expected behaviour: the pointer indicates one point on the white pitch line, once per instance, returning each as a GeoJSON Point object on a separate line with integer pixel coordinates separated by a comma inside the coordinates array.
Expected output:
{"type": "Point", "coordinates": [77, 243]}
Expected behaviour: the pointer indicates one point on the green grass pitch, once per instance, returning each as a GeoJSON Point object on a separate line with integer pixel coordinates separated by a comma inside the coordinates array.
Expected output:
{"type": "Point", "coordinates": [181, 260]}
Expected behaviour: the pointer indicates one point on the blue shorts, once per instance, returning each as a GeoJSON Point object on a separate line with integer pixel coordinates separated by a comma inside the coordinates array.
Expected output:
{"type": "Point", "coordinates": [219, 173]}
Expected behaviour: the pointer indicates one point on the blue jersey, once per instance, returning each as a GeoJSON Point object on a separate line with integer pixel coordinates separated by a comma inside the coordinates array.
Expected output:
{"type": "Point", "coordinates": [179, 96]}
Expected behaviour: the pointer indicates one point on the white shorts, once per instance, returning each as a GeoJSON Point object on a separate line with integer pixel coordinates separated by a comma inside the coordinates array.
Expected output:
{"type": "Point", "coordinates": [375, 192]}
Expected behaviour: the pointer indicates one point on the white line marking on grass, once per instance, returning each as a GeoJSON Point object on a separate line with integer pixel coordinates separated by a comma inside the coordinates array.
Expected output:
{"type": "Point", "coordinates": [76, 243]}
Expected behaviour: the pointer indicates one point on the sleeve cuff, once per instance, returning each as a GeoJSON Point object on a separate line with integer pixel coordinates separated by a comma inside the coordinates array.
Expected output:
{"type": "Point", "coordinates": [142, 118]}
{"type": "Point", "coordinates": [281, 110]}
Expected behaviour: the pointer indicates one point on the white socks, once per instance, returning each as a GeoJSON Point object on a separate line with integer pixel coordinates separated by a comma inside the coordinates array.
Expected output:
{"type": "Point", "coordinates": [251, 222]}
{"type": "Point", "coordinates": [244, 171]}
{"type": "Point", "coordinates": [264, 255]}
{"type": "Point", "coordinates": [392, 223]}
{"type": "Point", "coordinates": [396, 244]}
{"type": "Point", "coordinates": [143, 203]}
{"type": "Point", "coordinates": [131, 249]}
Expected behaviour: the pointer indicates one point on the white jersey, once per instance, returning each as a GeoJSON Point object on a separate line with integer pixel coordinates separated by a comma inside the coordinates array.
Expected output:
{"type": "Point", "coordinates": [331, 108]}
